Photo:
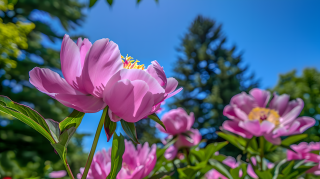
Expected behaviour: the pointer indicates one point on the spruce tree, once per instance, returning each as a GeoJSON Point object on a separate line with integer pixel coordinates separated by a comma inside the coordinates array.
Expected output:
{"type": "Point", "coordinates": [210, 73]}
{"type": "Point", "coordinates": [23, 151]}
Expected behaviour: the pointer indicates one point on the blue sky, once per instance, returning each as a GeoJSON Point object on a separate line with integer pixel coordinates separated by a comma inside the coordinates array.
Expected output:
{"type": "Point", "coordinates": [274, 36]}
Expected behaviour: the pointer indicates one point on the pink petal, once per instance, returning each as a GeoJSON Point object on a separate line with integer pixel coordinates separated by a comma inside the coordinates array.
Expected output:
{"type": "Point", "coordinates": [294, 111]}
{"type": "Point", "coordinates": [251, 171]}
{"type": "Point", "coordinates": [261, 96]}
{"type": "Point", "coordinates": [244, 102]}
{"type": "Point", "coordinates": [50, 82]}
{"type": "Point", "coordinates": [255, 128]}
{"type": "Point", "coordinates": [84, 46]}
{"type": "Point", "coordinates": [70, 60]}
{"type": "Point", "coordinates": [230, 113]}
{"type": "Point", "coordinates": [171, 153]}
{"type": "Point", "coordinates": [102, 62]}
{"type": "Point", "coordinates": [133, 96]}
{"type": "Point", "coordinates": [136, 74]}
{"type": "Point", "coordinates": [273, 139]}
{"type": "Point", "coordinates": [279, 103]}
{"type": "Point", "coordinates": [172, 84]}
{"type": "Point", "coordinates": [156, 71]}
{"type": "Point", "coordinates": [57, 174]}
{"type": "Point", "coordinates": [231, 162]}
{"type": "Point", "coordinates": [83, 103]}
{"type": "Point", "coordinates": [234, 127]}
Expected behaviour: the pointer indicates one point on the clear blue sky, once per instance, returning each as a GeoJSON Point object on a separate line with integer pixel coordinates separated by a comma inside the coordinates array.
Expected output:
{"type": "Point", "coordinates": [275, 36]}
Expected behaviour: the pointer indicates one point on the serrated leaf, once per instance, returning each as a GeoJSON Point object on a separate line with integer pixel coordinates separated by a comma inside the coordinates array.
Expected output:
{"type": "Point", "coordinates": [110, 2]}
{"type": "Point", "coordinates": [293, 139]}
{"type": "Point", "coordinates": [156, 119]}
{"type": "Point", "coordinates": [73, 120]}
{"type": "Point", "coordinates": [92, 2]}
{"type": "Point", "coordinates": [117, 151]}
{"type": "Point", "coordinates": [27, 116]}
{"type": "Point", "coordinates": [109, 126]}
{"type": "Point", "coordinates": [130, 130]}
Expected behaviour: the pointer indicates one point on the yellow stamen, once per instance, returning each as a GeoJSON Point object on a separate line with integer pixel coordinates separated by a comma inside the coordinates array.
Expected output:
{"type": "Point", "coordinates": [263, 114]}
{"type": "Point", "coordinates": [128, 63]}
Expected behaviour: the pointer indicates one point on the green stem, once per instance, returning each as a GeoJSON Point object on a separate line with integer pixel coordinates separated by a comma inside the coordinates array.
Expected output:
{"type": "Point", "coordinates": [68, 169]}
{"type": "Point", "coordinates": [186, 153]}
{"type": "Point", "coordinates": [261, 152]}
{"type": "Point", "coordinates": [94, 144]}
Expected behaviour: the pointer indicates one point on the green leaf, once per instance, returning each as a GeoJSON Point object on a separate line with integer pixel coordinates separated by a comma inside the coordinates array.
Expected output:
{"type": "Point", "coordinates": [263, 174]}
{"type": "Point", "coordinates": [110, 2]}
{"type": "Point", "coordinates": [156, 119]}
{"type": "Point", "coordinates": [212, 148]}
{"type": "Point", "coordinates": [220, 168]}
{"type": "Point", "coordinates": [73, 120]}
{"type": "Point", "coordinates": [92, 2]}
{"type": "Point", "coordinates": [61, 146]}
{"type": "Point", "coordinates": [138, 1]}
{"type": "Point", "coordinates": [117, 151]}
{"type": "Point", "coordinates": [239, 142]}
{"type": "Point", "coordinates": [160, 152]}
{"type": "Point", "coordinates": [54, 129]}
{"type": "Point", "coordinates": [161, 175]}
{"type": "Point", "coordinates": [190, 171]}
{"type": "Point", "coordinates": [130, 130]}
{"type": "Point", "coordinates": [288, 168]}
{"type": "Point", "coordinates": [293, 139]}
{"type": "Point", "coordinates": [109, 127]}
{"type": "Point", "coordinates": [235, 172]}
{"type": "Point", "coordinates": [26, 115]}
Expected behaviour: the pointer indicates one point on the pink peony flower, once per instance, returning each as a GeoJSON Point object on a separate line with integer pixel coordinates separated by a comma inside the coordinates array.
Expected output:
{"type": "Point", "coordinates": [134, 93]}
{"type": "Point", "coordinates": [178, 123]}
{"type": "Point", "coordinates": [136, 164]}
{"type": "Point", "coordinates": [57, 174]}
{"type": "Point", "coordinates": [250, 116]}
{"type": "Point", "coordinates": [303, 151]}
{"type": "Point", "coordinates": [86, 69]}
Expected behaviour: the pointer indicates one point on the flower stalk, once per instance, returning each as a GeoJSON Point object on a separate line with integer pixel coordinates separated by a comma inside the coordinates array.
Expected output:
{"type": "Point", "coordinates": [94, 144]}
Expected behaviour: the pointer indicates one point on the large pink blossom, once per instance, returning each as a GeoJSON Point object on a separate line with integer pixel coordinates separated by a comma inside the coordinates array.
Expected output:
{"type": "Point", "coordinates": [178, 124]}
{"type": "Point", "coordinates": [86, 69]}
{"type": "Point", "coordinates": [136, 164]}
{"type": "Point", "coordinates": [250, 116]}
{"type": "Point", "coordinates": [134, 93]}
{"type": "Point", "coordinates": [303, 151]}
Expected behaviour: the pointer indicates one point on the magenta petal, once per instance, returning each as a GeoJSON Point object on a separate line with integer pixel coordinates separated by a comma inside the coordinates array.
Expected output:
{"type": "Point", "coordinates": [304, 124]}
{"type": "Point", "coordinates": [140, 75]}
{"type": "Point", "coordinates": [70, 60]}
{"type": "Point", "coordinates": [171, 153]}
{"type": "Point", "coordinates": [133, 96]}
{"type": "Point", "coordinates": [251, 171]}
{"type": "Point", "coordinates": [279, 103]}
{"type": "Point", "coordinates": [84, 46]}
{"type": "Point", "coordinates": [172, 84]}
{"type": "Point", "coordinates": [244, 102]}
{"type": "Point", "coordinates": [261, 96]}
{"type": "Point", "coordinates": [102, 62]}
{"type": "Point", "coordinates": [49, 82]}
{"type": "Point", "coordinates": [230, 113]}
{"type": "Point", "coordinates": [273, 139]}
{"type": "Point", "coordinates": [233, 126]}
{"type": "Point", "coordinates": [57, 174]}
{"type": "Point", "coordinates": [294, 112]}
{"type": "Point", "coordinates": [231, 162]}
{"type": "Point", "coordinates": [157, 72]}
{"type": "Point", "coordinates": [83, 103]}
{"type": "Point", "coordinates": [252, 126]}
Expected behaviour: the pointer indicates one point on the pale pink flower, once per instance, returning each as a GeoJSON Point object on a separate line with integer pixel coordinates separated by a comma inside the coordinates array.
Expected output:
{"type": "Point", "coordinates": [58, 174]}
{"type": "Point", "coordinates": [133, 93]}
{"type": "Point", "coordinates": [250, 116]}
{"type": "Point", "coordinates": [136, 164]}
{"type": "Point", "coordinates": [86, 69]}
{"type": "Point", "coordinates": [303, 151]}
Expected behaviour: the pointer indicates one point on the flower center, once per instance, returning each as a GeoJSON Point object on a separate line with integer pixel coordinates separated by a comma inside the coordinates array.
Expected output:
{"type": "Point", "coordinates": [263, 114]}
{"type": "Point", "coordinates": [128, 63]}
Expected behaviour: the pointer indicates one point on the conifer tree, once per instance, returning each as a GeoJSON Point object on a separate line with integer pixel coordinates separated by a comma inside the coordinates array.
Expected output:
{"type": "Point", "coordinates": [210, 73]}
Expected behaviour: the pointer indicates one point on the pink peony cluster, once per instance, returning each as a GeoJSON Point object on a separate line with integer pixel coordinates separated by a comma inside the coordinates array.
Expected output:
{"type": "Point", "coordinates": [136, 163]}
{"type": "Point", "coordinates": [96, 76]}
{"type": "Point", "coordinates": [250, 116]}
{"type": "Point", "coordinates": [178, 123]}
{"type": "Point", "coordinates": [304, 151]}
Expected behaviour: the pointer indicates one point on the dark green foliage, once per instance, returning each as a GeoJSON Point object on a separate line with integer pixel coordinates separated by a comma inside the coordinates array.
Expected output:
{"type": "Point", "coordinates": [210, 74]}
{"type": "Point", "coordinates": [306, 87]}
{"type": "Point", "coordinates": [28, 149]}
